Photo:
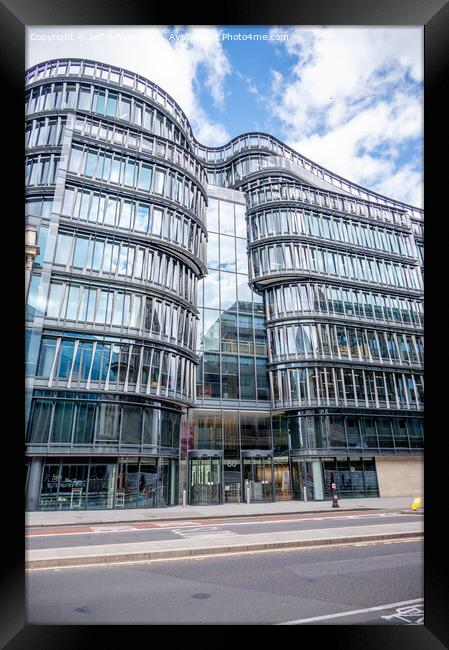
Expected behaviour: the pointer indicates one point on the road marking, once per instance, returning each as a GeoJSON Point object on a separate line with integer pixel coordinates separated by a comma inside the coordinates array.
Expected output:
{"type": "Point", "coordinates": [154, 525]}
{"type": "Point", "coordinates": [353, 612]}
{"type": "Point", "coordinates": [168, 524]}
{"type": "Point", "coordinates": [410, 615]}
{"type": "Point", "coordinates": [201, 531]}
{"type": "Point", "coordinates": [113, 529]}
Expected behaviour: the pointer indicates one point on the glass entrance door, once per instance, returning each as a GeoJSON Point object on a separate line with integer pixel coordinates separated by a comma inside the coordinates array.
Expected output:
{"type": "Point", "coordinates": [205, 481]}
{"type": "Point", "coordinates": [307, 480]}
{"type": "Point", "coordinates": [258, 479]}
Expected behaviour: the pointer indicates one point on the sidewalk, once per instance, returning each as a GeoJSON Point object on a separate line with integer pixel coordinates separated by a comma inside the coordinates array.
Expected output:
{"type": "Point", "coordinates": [73, 517]}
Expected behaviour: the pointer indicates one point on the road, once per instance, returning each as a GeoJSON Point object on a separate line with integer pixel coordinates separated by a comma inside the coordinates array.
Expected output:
{"type": "Point", "coordinates": [383, 580]}
{"type": "Point", "coordinates": [41, 538]}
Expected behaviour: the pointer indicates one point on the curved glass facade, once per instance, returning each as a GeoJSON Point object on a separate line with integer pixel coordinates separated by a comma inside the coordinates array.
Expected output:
{"type": "Point", "coordinates": [118, 198]}
{"type": "Point", "coordinates": [223, 320]}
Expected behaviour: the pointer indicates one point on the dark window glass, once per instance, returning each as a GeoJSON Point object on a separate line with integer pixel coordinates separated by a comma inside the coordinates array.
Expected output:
{"type": "Point", "coordinates": [211, 375]}
{"type": "Point", "coordinates": [353, 432]}
{"type": "Point", "coordinates": [230, 377]}
{"type": "Point", "coordinates": [169, 429]}
{"type": "Point", "coordinates": [400, 433]}
{"type": "Point", "coordinates": [385, 433]}
{"type": "Point", "coordinates": [65, 359]}
{"type": "Point", "coordinates": [207, 430]}
{"type": "Point", "coordinates": [40, 421]}
{"type": "Point", "coordinates": [337, 431]}
{"type": "Point", "coordinates": [369, 433]}
{"type": "Point", "coordinates": [151, 426]}
{"type": "Point", "coordinates": [247, 378]}
{"type": "Point", "coordinates": [62, 422]}
{"type": "Point", "coordinates": [132, 425]}
{"type": "Point", "coordinates": [416, 432]}
{"type": "Point", "coordinates": [108, 423]}
{"type": "Point", "coordinates": [46, 357]}
{"type": "Point", "coordinates": [84, 424]}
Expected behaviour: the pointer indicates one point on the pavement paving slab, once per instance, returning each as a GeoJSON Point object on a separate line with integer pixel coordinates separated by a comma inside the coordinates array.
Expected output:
{"type": "Point", "coordinates": [87, 517]}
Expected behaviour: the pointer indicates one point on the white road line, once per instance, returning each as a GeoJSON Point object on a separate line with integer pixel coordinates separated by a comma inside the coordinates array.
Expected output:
{"type": "Point", "coordinates": [352, 613]}
{"type": "Point", "coordinates": [167, 525]}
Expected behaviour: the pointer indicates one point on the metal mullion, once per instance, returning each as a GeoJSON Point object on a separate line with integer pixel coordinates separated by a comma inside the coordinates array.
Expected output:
{"type": "Point", "coordinates": [318, 387]}
{"type": "Point", "coordinates": [270, 379]}
{"type": "Point", "coordinates": [280, 385]}
{"type": "Point", "coordinates": [75, 352]}
{"type": "Point", "coordinates": [393, 374]}
{"type": "Point", "coordinates": [365, 387]}
{"type": "Point", "coordinates": [334, 379]}
{"type": "Point", "coordinates": [307, 386]}
{"type": "Point", "coordinates": [326, 329]}
{"type": "Point", "coordinates": [175, 361]}
{"type": "Point", "coordinates": [289, 386]}
{"type": "Point", "coordinates": [169, 361]}
{"type": "Point", "coordinates": [182, 372]}
{"type": "Point", "coordinates": [326, 385]}
{"type": "Point", "coordinates": [128, 365]}
{"type": "Point", "coordinates": [94, 348]}
{"type": "Point", "coordinates": [417, 353]}
{"type": "Point", "coordinates": [389, 360]}
{"type": "Point", "coordinates": [418, 401]}
{"type": "Point", "coordinates": [342, 377]}
{"type": "Point", "coordinates": [108, 372]}
{"type": "Point", "coordinates": [357, 342]}
{"type": "Point", "coordinates": [158, 387]}
{"type": "Point", "coordinates": [52, 371]}
{"type": "Point", "coordinates": [378, 345]}
{"type": "Point", "coordinates": [376, 396]}
{"type": "Point", "coordinates": [148, 387]}
{"type": "Point", "coordinates": [336, 341]}
{"type": "Point", "coordinates": [405, 389]}
{"type": "Point", "coordinates": [139, 371]}
{"type": "Point", "coordinates": [395, 339]}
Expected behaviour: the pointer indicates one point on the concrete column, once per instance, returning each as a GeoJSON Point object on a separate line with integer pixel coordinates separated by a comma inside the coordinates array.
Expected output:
{"type": "Point", "coordinates": [34, 484]}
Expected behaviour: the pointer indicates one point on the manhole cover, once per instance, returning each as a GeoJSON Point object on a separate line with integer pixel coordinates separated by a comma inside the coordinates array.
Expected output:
{"type": "Point", "coordinates": [200, 596]}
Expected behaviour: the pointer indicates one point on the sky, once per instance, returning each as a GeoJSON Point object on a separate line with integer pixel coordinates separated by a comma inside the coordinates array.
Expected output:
{"type": "Point", "coordinates": [348, 98]}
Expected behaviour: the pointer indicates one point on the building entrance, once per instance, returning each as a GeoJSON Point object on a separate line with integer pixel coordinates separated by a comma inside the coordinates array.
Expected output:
{"type": "Point", "coordinates": [205, 480]}
{"type": "Point", "coordinates": [258, 479]}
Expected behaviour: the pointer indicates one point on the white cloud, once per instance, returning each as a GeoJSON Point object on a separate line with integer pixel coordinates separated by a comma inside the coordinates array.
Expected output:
{"type": "Point", "coordinates": [173, 59]}
{"type": "Point", "coordinates": [352, 101]}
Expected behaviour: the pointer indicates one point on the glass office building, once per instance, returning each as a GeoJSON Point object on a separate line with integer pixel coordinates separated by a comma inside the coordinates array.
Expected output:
{"type": "Point", "coordinates": [232, 321]}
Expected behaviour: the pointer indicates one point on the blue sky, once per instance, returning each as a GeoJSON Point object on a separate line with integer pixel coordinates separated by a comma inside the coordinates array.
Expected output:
{"type": "Point", "coordinates": [350, 99]}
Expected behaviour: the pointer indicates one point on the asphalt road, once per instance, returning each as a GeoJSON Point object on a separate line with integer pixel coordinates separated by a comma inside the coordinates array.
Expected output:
{"type": "Point", "coordinates": [265, 588]}
{"type": "Point", "coordinates": [119, 534]}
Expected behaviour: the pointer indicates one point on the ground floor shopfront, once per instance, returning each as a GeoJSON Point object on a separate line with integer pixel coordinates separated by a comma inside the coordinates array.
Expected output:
{"type": "Point", "coordinates": [258, 476]}
{"type": "Point", "coordinates": [72, 483]}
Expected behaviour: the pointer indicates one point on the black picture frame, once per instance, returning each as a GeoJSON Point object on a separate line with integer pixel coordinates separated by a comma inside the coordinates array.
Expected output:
{"type": "Point", "coordinates": [433, 15]}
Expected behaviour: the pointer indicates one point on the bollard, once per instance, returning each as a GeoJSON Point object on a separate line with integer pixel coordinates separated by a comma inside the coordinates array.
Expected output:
{"type": "Point", "coordinates": [305, 493]}
{"type": "Point", "coordinates": [184, 498]}
{"type": "Point", "coordinates": [334, 496]}
{"type": "Point", "coordinates": [248, 493]}
{"type": "Point", "coordinates": [417, 501]}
